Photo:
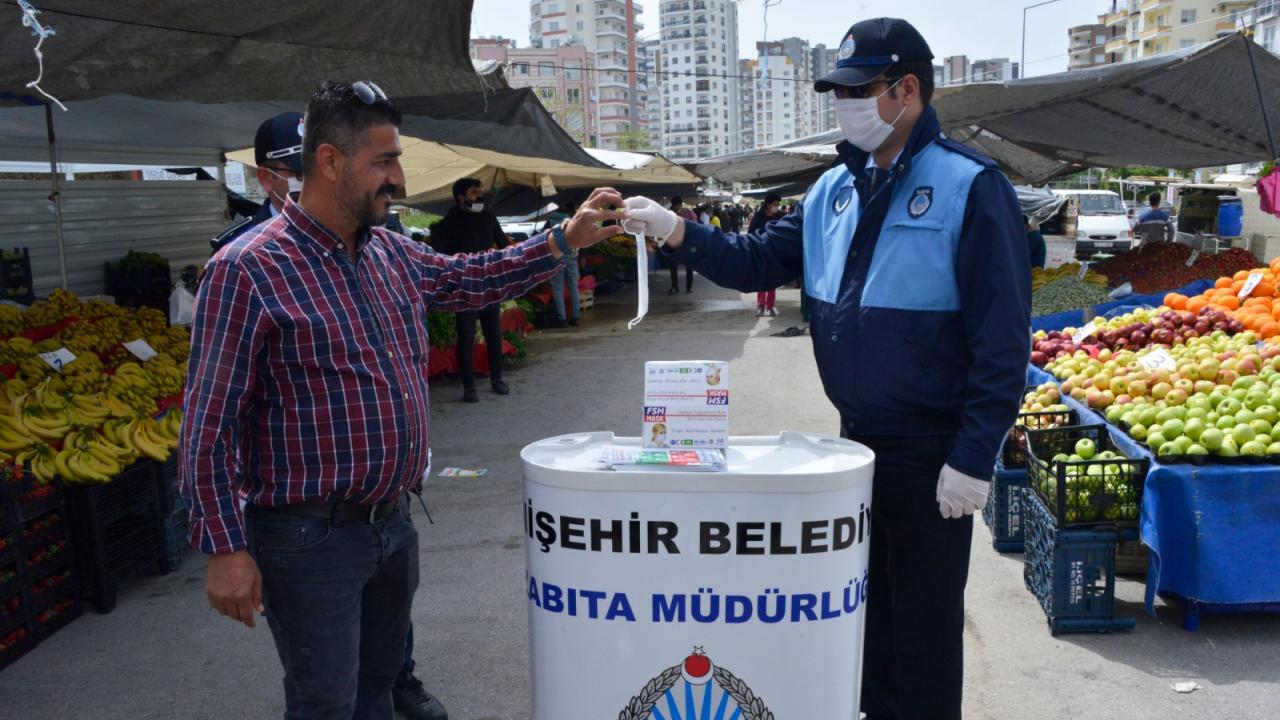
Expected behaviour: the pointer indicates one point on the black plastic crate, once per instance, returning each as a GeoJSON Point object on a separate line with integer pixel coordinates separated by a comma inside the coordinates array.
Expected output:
{"type": "Point", "coordinates": [42, 531]}
{"type": "Point", "coordinates": [49, 590]}
{"type": "Point", "coordinates": [13, 647]}
{"type": "Point", "coordinates": [1003, 512]}
{"type": "Point", "coordinates": [1071, 572]}
{"type": "Point", "coordinates": [11, 580]}
{"type": "Point", "coordinates": [32, 498]}
{"type": "Point", "coordinates": [1013, 454]}
{"type": "Point", "coordinates": [41, 562]}
{"type": "Point", "coordinates": [117, 530]}
{"type": "Point", "coordinates": [14, 612]}
{"type": "Point", "coordinates": [10, 549]}
{"type": "Point", "coordinates": [16, 280]}
{"type": "Point", "coordinates": [58, 616]}
{"type": "Point", "coordinates": [1089, 492]}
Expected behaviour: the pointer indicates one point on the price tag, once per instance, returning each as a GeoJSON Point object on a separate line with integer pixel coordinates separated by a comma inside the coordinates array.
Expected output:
{"type": "Point", "coordinates": [141, 349]}
{"type": "Point", "coordinates": [1084, 269]}
{"type": "Point", "coordinates": [1158, 360]}
{"type": "Point", "coordinates": [1195, 255]}
{"type": "Point", "coordinates": [58, 358]}
{"type": "Point", "coordinates": [1084, 332]}
{"type": "Point", "coordinates": [1250, 284]}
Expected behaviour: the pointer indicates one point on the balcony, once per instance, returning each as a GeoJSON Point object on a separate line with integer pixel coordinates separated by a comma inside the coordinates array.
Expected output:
{"type": "Point", "coordinates": [1084, 44]}
{"type": "Point", "coordinates": [611, 15]}
{"type": "Point", "coordinates": [1117, 44]}
{"type": "Point", "coordinates": [1115, 18]}
{"type": "Point", "coordinates": [1149, 5]}
{"type": "Point", "coordinates": [1225, 27]}
{"type": "Point", "coordinates": [1156, 31]}
{"type": "Point", "coordinates": [675, 7]}
{"type": "Point", "coordinates": [603, 31]}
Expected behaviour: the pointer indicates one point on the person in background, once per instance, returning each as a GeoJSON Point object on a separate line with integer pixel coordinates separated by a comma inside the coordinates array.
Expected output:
{"type": "Point", "coordinates": [715, 222]}
{"type": "Point", "coordinates": [914, 254]}
{"type": "Point", "coordinates": [769, 211]}
{"type": "Point", "coordinates": [704, 214]}
{"type": "Point", "coordinates": [568, 276]}
{"type": "Point", "coordinates": [277, 151]}
{"type": "Point", "coordinates": [468, 229]}
{"type": "Point", "coordinates": [1155, 225]}
{"type": "Point", "coordinates": [1035, 243]}
{"type": "Point", "coordinates": [677, 207]}
{"type": "Point", "coordinates": [307, 407]}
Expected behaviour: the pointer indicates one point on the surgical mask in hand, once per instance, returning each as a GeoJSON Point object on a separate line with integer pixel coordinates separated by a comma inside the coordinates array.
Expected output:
{"type": "Point", "coordinates": [860, 122]}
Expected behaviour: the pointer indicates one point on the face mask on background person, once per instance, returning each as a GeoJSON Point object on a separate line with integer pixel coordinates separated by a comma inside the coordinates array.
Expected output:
{"type": "Point", "coordinates": [476, 206]}
{"type": "Point", "coordinates": [295, 183]}
{"type": "Point", "coordinates": [860, 122]}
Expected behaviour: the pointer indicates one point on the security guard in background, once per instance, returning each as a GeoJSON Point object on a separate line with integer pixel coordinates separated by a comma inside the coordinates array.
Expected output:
{"type": "Point", "coordinates": [277, 151]}
{"type": "Point", "coordinates": [915, 263]}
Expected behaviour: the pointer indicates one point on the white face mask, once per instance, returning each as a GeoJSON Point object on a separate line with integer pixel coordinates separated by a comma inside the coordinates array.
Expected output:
{"type": "Point", "coordinates": [476, 206]}
{"type": "Point", "coordinates": [860, 121]}
{"type": "Point", "coordinates": [295, 183]}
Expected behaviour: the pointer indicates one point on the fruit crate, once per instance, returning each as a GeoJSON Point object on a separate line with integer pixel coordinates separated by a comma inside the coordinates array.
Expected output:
{"type": "Point", "coordinates": [15, 643]}
{"type": "Point", "coordinates": [30, 499]}
{"type": "Point", "coordinates": [41, 562]}
{"type": "Point", "coordinates": [14, 612]}
{"type": "Point", "coordinates": [1013, 454]}
{"type": "Point", "coordinates": [49, 591]}
{"type": "Point", "coordinates": [1097, 491]}
{"type": "Point", "coordinates": [9, 548]}
{"type": "Point", "coordinates": [1003, 512]}
{"type": "Point", "coordinates": [42, 531]}
{"type": "Point", "coordinates": [117, 530]}
{"type": "Point", "coordinates": [49, 621]}
{"type": "Point", "coordinates": [16, 280]}
{"type": "Point", "coordinates": [1071, 572]}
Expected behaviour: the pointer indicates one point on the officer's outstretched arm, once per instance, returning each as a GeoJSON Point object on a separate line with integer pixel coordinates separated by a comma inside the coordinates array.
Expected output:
{"type": "Point", "coordinates": [747, 262]}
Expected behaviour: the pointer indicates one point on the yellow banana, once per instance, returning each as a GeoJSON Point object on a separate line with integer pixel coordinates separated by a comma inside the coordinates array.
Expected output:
{"type": "Point", "coordinates": [60, 464]}
{"type": "Point", "coordinates": [77, 460]}
{"type": "Point", "coordinates": [146, 445]}
{"type": "Point", "coordinates": [118, 407]}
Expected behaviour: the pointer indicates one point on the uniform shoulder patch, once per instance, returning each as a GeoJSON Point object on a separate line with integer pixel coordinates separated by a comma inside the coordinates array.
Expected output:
{"type": "Point", "coordinates": [965, 150]}
{"type": "Point", "coordinates": [921, 201]}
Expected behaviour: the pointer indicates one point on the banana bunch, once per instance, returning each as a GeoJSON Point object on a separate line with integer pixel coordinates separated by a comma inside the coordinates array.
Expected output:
{"type": "Point", "coordinates": [88, 337]}
{"type": "Point", "coordinates": [144, 436]}
{"type": "Point", "coordinates": [60, 305]}
{"type": "Point", "coordinates": [87, 457]}
{"type": "Point", "coordinates": [168, 377]}
{"type": "Point", "coordinates": [83, 376]}
{"type": "Point", "coordinates": [132, 387]}
{"type": "Point", "coordinates": [10, 320]}
{"type": "Point", "coordinates": [151, 321]}
{"type": "Point", "coordinates": [33, 370]}
{"type": "Point", "coordinates": [15, 350]}
{"type": "Point", "coordinates": [88, 410]}
{"type": "Point", "coordinates": [14, 436]}
{"type": "Point", "coordinates": [1041, 276]}
{"type": "Point", "coordinates": [175, 342]}
{"type": "Point", "coordinates": [41, 459]}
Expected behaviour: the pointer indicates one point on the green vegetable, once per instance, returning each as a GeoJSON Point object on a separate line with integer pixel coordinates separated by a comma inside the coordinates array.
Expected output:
{"type": "Point", "coordinates": [1066, 293]}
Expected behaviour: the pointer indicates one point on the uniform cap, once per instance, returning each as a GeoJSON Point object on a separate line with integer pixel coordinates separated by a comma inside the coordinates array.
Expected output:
{"type": "Point", "coordinates": [870, 48]}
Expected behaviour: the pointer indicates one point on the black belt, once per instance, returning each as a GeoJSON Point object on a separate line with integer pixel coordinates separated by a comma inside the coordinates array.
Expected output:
{"type": "Point", "coordinates": [345, 510]}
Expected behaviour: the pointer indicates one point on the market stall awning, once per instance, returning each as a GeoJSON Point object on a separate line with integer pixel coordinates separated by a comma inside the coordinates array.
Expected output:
{"type": "Point", "coordinates": [1192, 108]}
{"type": "Point", "coordinates": [237, 50]}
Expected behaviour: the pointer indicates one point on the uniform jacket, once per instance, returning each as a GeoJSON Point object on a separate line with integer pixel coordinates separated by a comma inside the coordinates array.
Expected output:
{"type": "Point", "coordinates": [242, 226]}
{"type": "Point", "coordinates": [920, 293]}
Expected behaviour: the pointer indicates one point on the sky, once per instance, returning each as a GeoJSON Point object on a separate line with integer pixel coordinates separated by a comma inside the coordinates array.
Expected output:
{"type": "Point", "coordinates": [977, 28]}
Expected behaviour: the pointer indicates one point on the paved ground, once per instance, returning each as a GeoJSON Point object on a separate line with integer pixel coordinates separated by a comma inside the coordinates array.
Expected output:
{"type": "Point", "coordinates": [164, 654]}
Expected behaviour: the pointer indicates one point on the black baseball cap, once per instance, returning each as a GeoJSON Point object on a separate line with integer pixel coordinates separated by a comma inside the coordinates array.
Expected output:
{"type": "Point", "coordinates": [870, 48]}
{"type": "Point", "coordinates": [280, 139]}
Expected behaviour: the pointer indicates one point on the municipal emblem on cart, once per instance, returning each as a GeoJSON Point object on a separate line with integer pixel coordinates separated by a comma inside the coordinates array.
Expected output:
{"type": "Point", "coordinates": [921, 201]}
{"type": "Point", "coordinates": [696, 689]}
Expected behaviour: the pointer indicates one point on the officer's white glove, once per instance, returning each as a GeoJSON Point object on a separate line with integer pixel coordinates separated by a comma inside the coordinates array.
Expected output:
{"type": "Point", "coordinates": [959, 494]}
{"type": "Point", "coordinates": [649, 218]}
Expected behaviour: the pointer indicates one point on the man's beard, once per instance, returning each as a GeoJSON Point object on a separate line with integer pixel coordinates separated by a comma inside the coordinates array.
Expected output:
{"type": "Point", "coordinates": [363, 209]}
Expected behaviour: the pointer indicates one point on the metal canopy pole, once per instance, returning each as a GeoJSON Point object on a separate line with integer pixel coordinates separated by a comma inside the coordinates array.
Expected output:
{"type": "Point", "coordinates": [56, 197]}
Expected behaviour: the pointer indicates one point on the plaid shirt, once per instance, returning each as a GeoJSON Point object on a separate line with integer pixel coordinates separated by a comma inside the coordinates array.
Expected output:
{"type": "Point", "coordinates": [308, 370]}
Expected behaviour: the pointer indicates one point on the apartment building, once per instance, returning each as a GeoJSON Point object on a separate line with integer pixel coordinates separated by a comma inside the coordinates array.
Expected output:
{"type": "Point", "coordinates": [778, 101]}
{"type": "Point", "coordinates": [653, 104]}
{"type": "Point", "coordinates": [955, 70]}
{"type": "Point", "coordinates": [700, 92]}
{"type": "Point", "coordinates": [1138, 29]}
{"type": "Point", "coordinates": [992, 70]}
{"type": "Point", "coordinates": [1264, 18]}
{"type": "Point", "coordinates": [610, 31]}
{"type": "Point", "coordinates": [563, 77]}
{"type": "Point", "coordinates": [824, 63]}
{"type": "Point", "coordinates": [1087, 46]}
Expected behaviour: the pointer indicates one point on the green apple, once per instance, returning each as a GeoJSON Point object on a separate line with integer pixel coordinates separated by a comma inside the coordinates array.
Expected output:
{"type": "Point", "coordinates": [1183, 442]}
{"type": "Point", "coordinates": [1273, 448]}
{"type": "Point", "coordinates": [1138, 432]}
{"type": "Point", "coordinates": [1114, 414]}
{"type": "Point", "coordinates": [1226, 422]}
{"type": "Point", "coordinates": [1211, 418]}
{"type": "Point", "coordinates": [1197, 450]}
{"type": "Point", "coordinates": [1229, 406]}
{"type": "Point", "coordinates": [1211, 438]}
{"type": "Point", "coordinates": [1253, 448]}
{"type": "Point", "coordinates": [1197, 413]}
{"type": "Point", "coordinates": [1268, 413]}
{"type": "Point", "coordinates": [1194, 427]}
{"type": "Point", "coordinates": [1243, 434]}
{"type": "Point", "coordinates": [1060, 458]}
{"type": "Point", "coordinates": [1244, 382]}
{"type": "Point", "coordinates": [1155, 440]}
{"type": "Point", "coordinates": [1086, 448]}
{"type": "Point", "coordinates": [1169, 449]}
{"type": "Point", "coordinates": [1261, 427]}
{"type": "Point", "coordinates": [1173, 428]}
{"type": "Point", "coordinates": [1244, 417]}
{"type": "Point", "coordinates": [1130, 417]}
{"type": "Point", "coordinates": [1255, 400]}
{"type": "Point", "coordinates": [1229, 448]}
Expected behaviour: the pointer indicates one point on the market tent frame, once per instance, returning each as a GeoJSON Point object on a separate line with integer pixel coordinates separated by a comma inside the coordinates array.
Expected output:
{"type": "Point", "coordinates": [1196, 107]}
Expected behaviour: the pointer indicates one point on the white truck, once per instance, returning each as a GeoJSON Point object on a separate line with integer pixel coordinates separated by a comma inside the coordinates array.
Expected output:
{"type": "Point", "coordinates": [1102, 225]}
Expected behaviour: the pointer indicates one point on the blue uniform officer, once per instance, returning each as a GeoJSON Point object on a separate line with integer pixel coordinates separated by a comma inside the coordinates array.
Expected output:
{"type": "Point", "coordinates": [277, 151]}
{"type": "Point", "coordinates": [914, 258]}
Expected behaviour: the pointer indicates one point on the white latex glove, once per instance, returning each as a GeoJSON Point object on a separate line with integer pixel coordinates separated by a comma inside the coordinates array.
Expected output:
{"type": "Point", "coordinates": [959, 494]}
{"type": "Point", "coordinates": [647, 217]}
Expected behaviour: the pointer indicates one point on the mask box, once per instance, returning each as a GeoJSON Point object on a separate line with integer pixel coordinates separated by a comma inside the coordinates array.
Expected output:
{"type": "Point", "coordinates": [686, 404]}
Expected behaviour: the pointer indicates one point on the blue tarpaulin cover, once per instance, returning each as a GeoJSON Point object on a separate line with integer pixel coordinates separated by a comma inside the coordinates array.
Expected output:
{"type": "Point", "coordinates": [1214, 530]}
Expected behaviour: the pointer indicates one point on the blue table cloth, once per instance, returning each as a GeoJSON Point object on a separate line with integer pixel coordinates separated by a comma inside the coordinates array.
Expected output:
{"type": "Point", "coordinates": [1213, 531]}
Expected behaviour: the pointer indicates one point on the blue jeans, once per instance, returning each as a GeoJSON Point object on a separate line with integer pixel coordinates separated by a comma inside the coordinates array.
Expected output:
{"type": "Point", "coordinates": [337, 597]}
{"type": "Point", "coordinates": [568, 271]}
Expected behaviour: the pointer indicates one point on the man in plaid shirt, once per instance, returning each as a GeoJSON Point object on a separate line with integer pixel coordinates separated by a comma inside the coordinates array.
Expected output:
{"type": "Point", "coordinates": [307, 397]}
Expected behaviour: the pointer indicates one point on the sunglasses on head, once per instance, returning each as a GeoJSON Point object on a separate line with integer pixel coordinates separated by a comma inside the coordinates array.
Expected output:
{"type": "Point", "coordinates": [368, 92]}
